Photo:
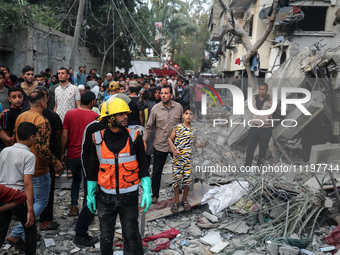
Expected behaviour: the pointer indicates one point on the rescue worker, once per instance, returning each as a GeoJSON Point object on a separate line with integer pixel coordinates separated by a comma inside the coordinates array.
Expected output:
{"type": "Point", "coordinates": [120, 165]}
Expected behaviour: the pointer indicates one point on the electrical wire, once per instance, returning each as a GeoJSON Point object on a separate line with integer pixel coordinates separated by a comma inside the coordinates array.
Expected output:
{"type": "Point", "coordinates": [178, 73]}
{"type": "Point", "coordinates": [92, 14]}
{"type": "Point", "coordinates": [42, 38]}
{"type": "Point", "coordinates": [66, 14]}
{"type": "Point", "coordinates": [127, 29]}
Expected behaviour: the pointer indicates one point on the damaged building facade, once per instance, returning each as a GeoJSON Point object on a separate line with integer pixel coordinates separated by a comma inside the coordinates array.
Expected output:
{"type": "Point", "coordinates": [301, 52]}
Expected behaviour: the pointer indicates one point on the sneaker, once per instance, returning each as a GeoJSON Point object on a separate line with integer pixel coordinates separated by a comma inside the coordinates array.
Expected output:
{"type": "Point", "coordinates": [85, 241]}
{"type": "Point", "coordinates": [74, 211]}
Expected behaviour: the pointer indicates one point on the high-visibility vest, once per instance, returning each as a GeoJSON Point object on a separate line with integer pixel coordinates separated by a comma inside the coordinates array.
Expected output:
{"type": "Point", "coordinates": [118, 172]}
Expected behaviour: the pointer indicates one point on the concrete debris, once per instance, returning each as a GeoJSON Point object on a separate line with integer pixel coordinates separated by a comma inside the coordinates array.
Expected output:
{"type": "Point", "coordinates": [323, 153]}
{"type": "Point", "coordinates": [288, 250]}
{"type": "Point", "coordinates": [210, 217]}
{"type": "Point", "coordinates": [314, 106]}
{"type": "Point", "coordinates": [193, 230]}
{"type": "Point", "coordinates": [60, 249]}
{"type": "Point", "coordinates": [49, 242]}
{"type": "Point", "coordinates": [203, 222]}
{"type": "Point", "coordinates": [221, 140]}
{"type": "Point", "coordinates": [219, 247]}
{"type": "Point", "coordinates": [312, 183]}
{"type": "Point", "coordinates": [195, 247]}
{"type": "Point", "coordinates": [272, 248]}
{"type": "Point", "coordinates": [220, 215]}
{"type": "Point", "coordinates": [241, 253]}
{"type": "Point", "coordinates": [328, 203]}
{"type": "Point", "coordinates": [212, 238]}
{"type": "Point", "coordinates": [75, 250]}
{"type": "Point", "coordinates": [6, 247]}
{"type": "Point", "coordinates": [237, 227]}
{"type": "Point", "coordinates": [171, 252]}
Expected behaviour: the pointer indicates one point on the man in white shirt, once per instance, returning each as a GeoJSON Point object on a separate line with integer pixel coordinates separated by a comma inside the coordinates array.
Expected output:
{"type": "Point", "coordinates": [67, 96]}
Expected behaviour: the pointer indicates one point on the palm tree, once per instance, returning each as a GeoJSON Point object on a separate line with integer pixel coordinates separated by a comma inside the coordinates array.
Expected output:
{"type": "Point", "coordinates": [175, 21]}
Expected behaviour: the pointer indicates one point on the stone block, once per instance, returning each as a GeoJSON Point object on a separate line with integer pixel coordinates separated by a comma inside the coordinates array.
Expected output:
{"type": "Point", "coordinates": [288, 250]}
{"type": "Point", "coordinates": [324, 153]}
{"type": "Point", "coordinates": [272, 249]}
{"type": "Point", "coordinates": [212, 238]}
{"type": "Point", "coordinates": [210, 217]}
{"type": "Point", "coordinates": [219, 247]}
{"type": "Point", "coordinates": [239, 227]}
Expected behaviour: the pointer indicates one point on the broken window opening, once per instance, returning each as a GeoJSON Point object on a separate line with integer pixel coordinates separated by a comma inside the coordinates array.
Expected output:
{"type": "Point", "coordinates": [314, 20]}
{"type": "Point", "coordinates": [250, 27]}
{"type": "Point", "coordinates": [283, 57]}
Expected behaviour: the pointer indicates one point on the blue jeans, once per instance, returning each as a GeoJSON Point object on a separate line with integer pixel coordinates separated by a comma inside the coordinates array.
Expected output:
{"type": "Point", "coordinates": [41, 192]}
{"type": "Point", "coordinates": [77, 169]}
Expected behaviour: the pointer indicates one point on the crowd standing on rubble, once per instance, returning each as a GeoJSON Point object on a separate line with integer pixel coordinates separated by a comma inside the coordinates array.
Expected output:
{"type": "Point", "coordinates": [106, 133]}
{"type": "Point", "coordinates": [75, 124]}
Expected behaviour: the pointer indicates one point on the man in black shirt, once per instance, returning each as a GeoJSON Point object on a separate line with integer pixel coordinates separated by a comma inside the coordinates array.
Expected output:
{"type": "Point", "coordinates": [15, 97]}
{"type": "Point", "coordinates": [136, 117]}
{"type": "Point", "coordinates": [117, 164]}
{"type": "Point", "coordinates": [261, 130]}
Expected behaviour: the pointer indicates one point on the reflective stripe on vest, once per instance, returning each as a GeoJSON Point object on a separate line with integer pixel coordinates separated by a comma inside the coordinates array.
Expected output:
{"type": "Point", "coordinates": [110, 164]}
{"type": "Point", "coordinates": [98, 138]}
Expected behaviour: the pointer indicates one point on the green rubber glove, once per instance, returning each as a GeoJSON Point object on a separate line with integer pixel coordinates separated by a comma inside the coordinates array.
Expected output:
{"type": "Point", "coordinates": [91, 196]}
{"type": "Point", "coordinates": [146, 185]}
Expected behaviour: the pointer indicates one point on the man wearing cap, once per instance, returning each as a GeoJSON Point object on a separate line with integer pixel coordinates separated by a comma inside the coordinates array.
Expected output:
{"type": "Point", "coordinates": [117, 165]}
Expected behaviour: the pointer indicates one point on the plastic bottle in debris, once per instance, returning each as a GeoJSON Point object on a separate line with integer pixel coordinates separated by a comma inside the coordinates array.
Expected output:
{"type": "Point", "coordinates": [307, 252]}
{"type": "Point", "coordinates": [329, 248]}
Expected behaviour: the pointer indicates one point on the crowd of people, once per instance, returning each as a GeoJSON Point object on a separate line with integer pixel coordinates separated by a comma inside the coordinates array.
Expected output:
{"type": "Point", "coordinates": [106, 132]}
{"type": "Point", "coordinates": [102, 130]}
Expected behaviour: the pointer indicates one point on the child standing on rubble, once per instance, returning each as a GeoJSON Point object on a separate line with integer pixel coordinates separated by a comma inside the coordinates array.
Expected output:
{"type": "Point", "coordinates": [182, 138]}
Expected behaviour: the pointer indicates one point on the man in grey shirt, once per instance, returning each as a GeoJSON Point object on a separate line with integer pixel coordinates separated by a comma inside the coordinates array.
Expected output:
{"type": "Point", "coordinates": [164, 116]}
{"type": "Point", "coordinates": [17, 166]}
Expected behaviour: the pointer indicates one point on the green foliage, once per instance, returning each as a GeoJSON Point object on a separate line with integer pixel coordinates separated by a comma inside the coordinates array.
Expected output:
{"type": "Point", "coordinates": [42, 14]}
{"type": "Point", "coordinates": [185, 29]}
{"type": "Point", "coordinates": [13, 16]}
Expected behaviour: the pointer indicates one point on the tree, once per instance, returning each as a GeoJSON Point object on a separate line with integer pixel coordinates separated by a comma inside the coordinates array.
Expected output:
{"type": "Point", "coordinates": [234, 27]}
{"type": "Point", "coordinates": [176, 22]}
{"type": "Point", "coordinates": [76, 34]}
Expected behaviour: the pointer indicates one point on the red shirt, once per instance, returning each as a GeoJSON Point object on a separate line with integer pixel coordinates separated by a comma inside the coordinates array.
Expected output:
{"type": "Point", "coordinates": [75, 122]}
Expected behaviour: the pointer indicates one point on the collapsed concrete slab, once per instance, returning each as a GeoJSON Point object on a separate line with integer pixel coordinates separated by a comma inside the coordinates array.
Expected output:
{"type": "Point", "coordinates": [238, 132]}
{"type": "Point", "coordinates": [314, 106]}
{"type": "Point", "coordinates": [291, 73]}
{"type": "Point", "coordinates": [324, 153]}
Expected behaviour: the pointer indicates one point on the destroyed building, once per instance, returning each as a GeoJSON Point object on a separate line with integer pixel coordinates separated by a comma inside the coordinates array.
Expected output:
{"type": "Point", "coordinates": [301, 52]}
